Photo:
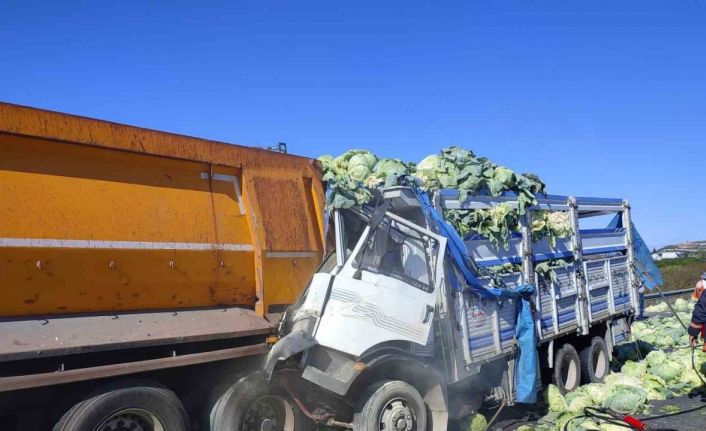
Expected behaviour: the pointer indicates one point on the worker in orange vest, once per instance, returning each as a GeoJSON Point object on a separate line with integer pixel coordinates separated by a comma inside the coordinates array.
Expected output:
{"type": "Point", "coordinates": [699, 288]}
{"type": "Point", "coordinates": [698, 318]}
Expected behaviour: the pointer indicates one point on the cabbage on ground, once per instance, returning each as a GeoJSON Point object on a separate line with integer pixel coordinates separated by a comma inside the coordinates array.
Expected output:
{"type": "Point", "coordinates": [639, 376]}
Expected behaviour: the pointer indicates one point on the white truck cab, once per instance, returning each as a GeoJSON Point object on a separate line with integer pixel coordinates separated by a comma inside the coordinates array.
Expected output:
{"type": "Point", "coordinates": [383, 340]}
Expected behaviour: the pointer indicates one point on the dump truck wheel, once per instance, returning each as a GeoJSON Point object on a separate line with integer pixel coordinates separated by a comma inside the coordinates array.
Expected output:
{"type": "Point", "coordinates": [133, 408]}
{"type": "Point", "coordinates": [251, 404]}
{"type": "Point", "coordinates": [567, 369]}
{"type": "Point", "coordinates": [594, 361]}
{"type": "Point", "coordinates": [390, 405]}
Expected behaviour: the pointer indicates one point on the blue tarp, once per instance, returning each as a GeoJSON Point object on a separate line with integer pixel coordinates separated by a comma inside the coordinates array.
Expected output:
{"type": "Point", "coordinates": [527, 362]}
{"type": "Point", "coordinates": [643, 256]}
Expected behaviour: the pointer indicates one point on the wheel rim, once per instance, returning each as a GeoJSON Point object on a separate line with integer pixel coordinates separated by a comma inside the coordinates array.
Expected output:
{"type": "Point", "coordinates": [131, 420]}
{"type": "Point", "coordinates": [599, 363]}
{"type": "Point", "coordinates": [397, 416]}
{"type": "Point", "coordinates": [569, 374]}
{"type": "Point", "coordinates": [269, 413]}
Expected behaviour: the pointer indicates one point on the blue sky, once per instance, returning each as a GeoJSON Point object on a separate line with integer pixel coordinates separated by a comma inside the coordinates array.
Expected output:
{"type": "Point", "coordinates": [599, 97]}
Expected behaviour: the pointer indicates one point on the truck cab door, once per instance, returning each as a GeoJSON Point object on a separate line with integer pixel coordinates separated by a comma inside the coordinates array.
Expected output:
{"type": "Point", "coordinates": [387, 289]}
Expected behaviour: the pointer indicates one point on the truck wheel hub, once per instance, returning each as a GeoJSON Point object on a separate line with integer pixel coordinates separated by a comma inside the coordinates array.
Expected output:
{"type": "Point", "coordinates": [269, 413]}
{"type": "Point", "coordinates": [397, 416]}
{"type": "Point", "coordinates": [267, 425]}
{"type": "Point", "coordinates": [131, 420]}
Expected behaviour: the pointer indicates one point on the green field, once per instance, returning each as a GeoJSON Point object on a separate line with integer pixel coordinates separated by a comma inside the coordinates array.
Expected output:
{"type": "Point", "coordinates": [682, 273]}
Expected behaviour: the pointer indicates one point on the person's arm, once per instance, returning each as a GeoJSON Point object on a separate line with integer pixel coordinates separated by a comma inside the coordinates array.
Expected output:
{"type": "Point", "coordinates": [698, 318]}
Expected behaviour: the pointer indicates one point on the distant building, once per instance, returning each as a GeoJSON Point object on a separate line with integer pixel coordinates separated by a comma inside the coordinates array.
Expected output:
{"type": "Point", "coordinates": [666, 254]}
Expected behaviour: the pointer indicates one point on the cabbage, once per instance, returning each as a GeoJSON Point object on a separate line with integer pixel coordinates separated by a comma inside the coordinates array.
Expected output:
{"type": "Point", "coordinates": [474, 422]}
{"type": "Point", "coordinates": [635, 369]}
{"type": "Point", "coordinates": [426, 170]}
{"type": "Point", "coordinates": [682, 304]}
{"type": "Point", "coordinates": [657, 308]}
{"type": "Point", "coordinates": [546, 270]}
{"type": "Point", "coordinates": [612, 427]}
{"type": "Point", "coordinates": [348, 155]}
{"type": "Point", "coordinates": [583, 424]}
{"type": "Point", "coordinates": [366, 157]}
{"type": "Point", "coordinates": [655, 358]}
{"type": "Point", "coordinates": [617, 379]}
{"type": "Point", "coordinates": [359, 172]}
{"type": "Point", "coordinates": [659, 376]}
{"type": "Point", "coordinates": [326, 160]}
{"type": "Point", "coordinates": [551, 225]}
{"type": "Point", "coordinates": [460, 169]}
{"type": "Point", "coordinates": [555, 400]}
{"type": "Point", "coordinates": [360, 166]}
{"type": "Point", "coordinates": [690, 378]}
{"type": "Point", "coordinates": [668, 370]}
{"type": "Point", "coordinates": [579, 402]}
{"type": "Point", "coordinates": [625, 399]}
{"type": "Point", "coordinates": [597, 392]}
{"type": "Point", "coordinates": [353, 177]}
{"type": "Point", "coordinates": [386, 167]}
{"type": "Point", "coordinates": [655, 387]}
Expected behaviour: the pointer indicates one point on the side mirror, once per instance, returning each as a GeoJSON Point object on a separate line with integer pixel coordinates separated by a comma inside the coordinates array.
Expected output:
{"type": "Point", "coordinates": [358, 274]}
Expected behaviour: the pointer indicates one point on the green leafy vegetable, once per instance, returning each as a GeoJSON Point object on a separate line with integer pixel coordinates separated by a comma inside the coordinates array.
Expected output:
{"type": "Point", "coordinates": [555, 400]}
{"type": "Point", "coordinates": [625, 399]}
{"type": "Point", "coordinates": [474, 422]}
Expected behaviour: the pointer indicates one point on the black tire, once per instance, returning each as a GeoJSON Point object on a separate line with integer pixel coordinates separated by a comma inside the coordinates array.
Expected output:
{"type": "Point", "coordinates": [567, 369]}
{"type": "Point", "coordinates": [125, 406]}
{"type": "Point", "coordinates": [246, 403]}
{"type": "Point", "coordinates": [595, 364]}
{"type": "Point", "coordinates": [387, 401]}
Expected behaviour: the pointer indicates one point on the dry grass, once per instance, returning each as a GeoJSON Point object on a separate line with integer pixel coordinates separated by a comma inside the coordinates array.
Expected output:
{"type": "Point", "coordinates": [681, 273]}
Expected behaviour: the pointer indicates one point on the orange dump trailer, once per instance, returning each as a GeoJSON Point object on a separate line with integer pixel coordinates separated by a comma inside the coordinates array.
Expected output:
{"type": "Point", "coordinates": [115, 237]}
{"type": "Point", "coordinates": [104, 217]}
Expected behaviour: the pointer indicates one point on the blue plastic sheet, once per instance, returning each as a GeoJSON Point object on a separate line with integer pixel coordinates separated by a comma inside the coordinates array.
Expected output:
{"type": "Point", "coordinates": [643, 256]}
{"type": "Point", "coordinates": [526, 365]}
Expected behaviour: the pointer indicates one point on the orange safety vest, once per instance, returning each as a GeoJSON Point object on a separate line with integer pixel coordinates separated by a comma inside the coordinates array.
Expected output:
{"type": "Point", "coordinates": [698, 290]}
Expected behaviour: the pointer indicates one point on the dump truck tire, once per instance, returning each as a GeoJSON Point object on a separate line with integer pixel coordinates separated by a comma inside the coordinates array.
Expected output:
{"type": "Point", "coordinates": [390, 405]}
{"type": "Point", "coordinates": [594, 361]}
{"type": "Point", "coordinates": [251, 401]}
{"type": "Point", "coordinates": [567, 369]}
{"type": "Point", "coordinates": [122, 406]}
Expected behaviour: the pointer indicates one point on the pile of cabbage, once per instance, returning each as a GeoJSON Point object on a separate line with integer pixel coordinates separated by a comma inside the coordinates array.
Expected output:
{"type": "Point", "coordinates": [355, 178]}
{"type": "Point", "coordinates": [664, 331]}
{"type": "Point", "coordinates": [680, 304]}
{"type": "Point", "coordinates": [661, 375]}
{"type": "Point", "coordinates": [657, 365]}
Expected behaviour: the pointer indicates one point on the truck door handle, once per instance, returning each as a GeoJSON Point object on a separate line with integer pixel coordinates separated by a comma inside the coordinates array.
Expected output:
{"type": "Point", "coordinates": [428, 314]}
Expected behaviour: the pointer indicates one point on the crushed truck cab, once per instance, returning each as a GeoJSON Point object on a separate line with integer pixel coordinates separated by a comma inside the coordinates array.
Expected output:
{"type": "Point", "coordinates": [382, 291]}
{"type": "Point", "coordinates": [389, 312]}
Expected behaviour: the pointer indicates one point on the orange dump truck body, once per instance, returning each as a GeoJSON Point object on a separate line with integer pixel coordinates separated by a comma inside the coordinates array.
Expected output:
{"type": "Point", "coordinates": [97, 216]}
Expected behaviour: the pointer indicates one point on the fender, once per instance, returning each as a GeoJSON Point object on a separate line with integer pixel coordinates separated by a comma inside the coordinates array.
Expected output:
{"type": "Point", "coordinates": [293, 343]}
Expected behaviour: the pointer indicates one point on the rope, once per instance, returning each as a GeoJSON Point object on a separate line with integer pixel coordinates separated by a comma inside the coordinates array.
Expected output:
{"type": "Point", "coordinates": [497, 412]}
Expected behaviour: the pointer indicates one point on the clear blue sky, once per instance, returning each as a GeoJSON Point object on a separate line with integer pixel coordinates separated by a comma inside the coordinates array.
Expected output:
{"type": "Point", "coordinates": [600, 98]}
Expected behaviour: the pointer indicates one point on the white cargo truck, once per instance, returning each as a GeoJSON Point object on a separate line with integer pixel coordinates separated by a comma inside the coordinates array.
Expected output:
{"type": "Point", "coordinates": [389, 335]}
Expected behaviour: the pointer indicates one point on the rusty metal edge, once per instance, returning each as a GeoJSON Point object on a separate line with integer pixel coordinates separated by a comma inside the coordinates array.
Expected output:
{"type": "Point", "coordinates": [50, 353]}
{"type": "Point", "coordinates": [82, 374]}
{"type": "Point", "coordinates": [26, 121]}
